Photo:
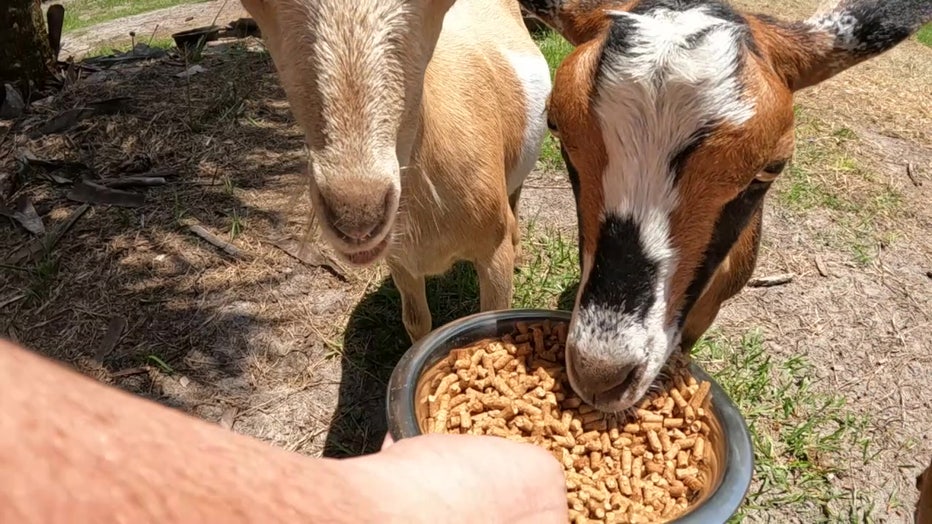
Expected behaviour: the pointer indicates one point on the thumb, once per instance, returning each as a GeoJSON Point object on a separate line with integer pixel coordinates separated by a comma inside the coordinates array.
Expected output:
{"type": "Point", "coordinates": [387, 442]}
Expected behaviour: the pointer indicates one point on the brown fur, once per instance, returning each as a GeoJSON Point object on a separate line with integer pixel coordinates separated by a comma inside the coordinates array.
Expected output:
{"type": "Point", "coordinates": [789, 57]}
{"type": "Point", "coordinates": [570, 107]}
{"type": "Point", "coordinates": [459, 108]}
{"type": "Point", "coordinates": [923, 513]}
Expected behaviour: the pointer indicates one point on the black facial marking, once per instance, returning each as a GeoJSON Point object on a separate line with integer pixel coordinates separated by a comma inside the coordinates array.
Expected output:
{"type": "Point", "coordinates": [574, 182]}
{"type": "Point", "coordinates": [679, 159]}
{"type": "Point", "coordinates": [775, 168]}
{"type": "Point", "coordinates": [717, 9]}
{"type": "Point", "coordinates": [879, 24]}
{"type": "Point", "coordinates": [693, 40]}
{"type": "Point", "coordinates": [729, 226]}
{"type": "Point", "coordinates": [542, 8]}
{"type": "Point", "coordinates": [620, 39]}
{"type": "Point", "coordinates": [622, 277]}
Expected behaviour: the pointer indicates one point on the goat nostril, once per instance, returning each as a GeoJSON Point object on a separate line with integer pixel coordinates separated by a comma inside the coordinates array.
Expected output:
{"type": "Point", "coordinates": [357, 232]}
{"type": "Point", "coordinates": [622, 380]}
{"type": "Point", "coordinates": [357, 223]}
{"type": "Point", "coordinates": [600, 379]}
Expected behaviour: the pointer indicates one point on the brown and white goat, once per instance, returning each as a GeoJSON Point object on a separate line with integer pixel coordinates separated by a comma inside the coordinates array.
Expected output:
{"type": "Point", "coordinates": [923, 511]}
{"type": "Point", "coordinates": [675, 117]}
{"type": "Point", "coordinates": [422, 119]}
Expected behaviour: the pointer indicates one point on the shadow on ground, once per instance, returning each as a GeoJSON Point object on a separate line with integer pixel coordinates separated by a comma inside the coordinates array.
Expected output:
{"type": "Point", "coordinates": [232, 155]}
{"type": "Point", "coordinates": [375, 341]}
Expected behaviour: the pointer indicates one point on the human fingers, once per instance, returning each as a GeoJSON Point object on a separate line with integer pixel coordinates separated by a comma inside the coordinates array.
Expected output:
{"type": "Point", "coordinates": [508, 481]}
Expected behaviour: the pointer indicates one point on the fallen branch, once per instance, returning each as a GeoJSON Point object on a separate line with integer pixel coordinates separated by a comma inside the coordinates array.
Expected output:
{"type": "Point", "coordinates": [912, 176]}
{"type": "Point", "coordinates": [311, 255]}
{"type": "Point", "coordinates": [12, 300]}
{"type": "Point", "coordinates": [130, 371]}
{"type": "Point", "coordinates": [216, 241]}
{"type": "Point", "coordinates": [134, 181]}
{"type": "Point", "coordinates": [821, 267]}
{"type": "Point", "coordinates": [91, 193]}
{"type": "Point", "coordinates": [46, 242]}
{"type": "Point", "coordinates": [771, 281]}
{"type": "Point", "coordinates": [114, 331]}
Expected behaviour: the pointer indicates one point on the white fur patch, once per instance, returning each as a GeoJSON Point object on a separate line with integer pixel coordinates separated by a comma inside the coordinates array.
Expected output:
{"type": "Point", "coordinates": [534, 74]}
{"type": "Point", "coordinates": [644, 346]}
{"type": "Point", "coordinates": [839, 24]}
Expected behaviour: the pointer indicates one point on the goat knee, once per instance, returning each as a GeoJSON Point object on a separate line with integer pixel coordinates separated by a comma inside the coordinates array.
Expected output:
{"type": "Point", "coordinates": [417, 321]}
{"type": "Point", "coordinates": [415, 312]}
{"type": "Point", "coordinates": [496, 278]}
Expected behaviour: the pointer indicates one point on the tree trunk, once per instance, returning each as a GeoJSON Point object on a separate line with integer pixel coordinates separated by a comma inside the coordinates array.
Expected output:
{"type": "Point", "coordinates": [25, 55]}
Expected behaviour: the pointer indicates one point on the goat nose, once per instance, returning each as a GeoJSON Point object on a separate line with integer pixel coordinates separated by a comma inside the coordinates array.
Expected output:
{"type": "Point", "coordinates": [600, 378]}
{"type": "Point", "coordinates": [359, 214]}
{"type": "Point", "coordinates": [358, 230]}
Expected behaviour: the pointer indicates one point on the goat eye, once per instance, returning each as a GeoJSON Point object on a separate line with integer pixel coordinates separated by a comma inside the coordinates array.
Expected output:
{"type": "Point", "coordinates": [770, 172]}
{"type": "Point", "coordinates": [775, 168]}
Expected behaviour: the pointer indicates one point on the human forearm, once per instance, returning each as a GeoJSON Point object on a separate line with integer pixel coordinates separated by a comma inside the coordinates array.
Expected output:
{"type": "Point", "coordinates": [74, 450]}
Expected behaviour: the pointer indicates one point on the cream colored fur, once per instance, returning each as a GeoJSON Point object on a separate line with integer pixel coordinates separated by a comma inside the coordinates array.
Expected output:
{"type": "Point", "coordinates": [419, 115]}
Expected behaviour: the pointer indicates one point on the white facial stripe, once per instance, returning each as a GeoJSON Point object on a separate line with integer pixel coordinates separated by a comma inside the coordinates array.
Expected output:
{"type": "Point", "coordinates": [652, 100]}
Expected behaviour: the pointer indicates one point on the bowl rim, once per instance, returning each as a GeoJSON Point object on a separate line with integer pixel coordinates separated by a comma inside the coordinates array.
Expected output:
{"type": "Point", "coordinates": [739, 464]}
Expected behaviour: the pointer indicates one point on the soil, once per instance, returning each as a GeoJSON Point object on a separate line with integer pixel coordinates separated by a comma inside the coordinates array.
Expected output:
{"type": "Point", "coordinates": [161, 23]}
{"type": "Point", "coordinates": [298, 355]}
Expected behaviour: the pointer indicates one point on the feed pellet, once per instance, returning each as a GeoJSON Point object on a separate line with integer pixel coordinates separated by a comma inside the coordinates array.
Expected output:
{"type": "Point", "coordinates": [649, 465]}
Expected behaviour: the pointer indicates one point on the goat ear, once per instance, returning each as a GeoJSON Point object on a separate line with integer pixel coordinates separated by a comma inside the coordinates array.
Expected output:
{"type": "Point", "coordinates": [577, 21]}
{"type": "Point", "coordinates": [853, 31]}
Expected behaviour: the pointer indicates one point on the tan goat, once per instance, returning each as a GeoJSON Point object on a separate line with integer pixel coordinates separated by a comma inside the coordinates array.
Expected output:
{"type": "Point", "coordinates": [423, 118]}
{"type": "Point", "coordinates": [675, 117]}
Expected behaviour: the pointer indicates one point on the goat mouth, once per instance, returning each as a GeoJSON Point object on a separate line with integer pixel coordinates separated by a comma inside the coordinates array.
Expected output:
{"type": "Point", "coordinates": [368, 256]}
{"type": "Point", "coordinates": [620, 397]}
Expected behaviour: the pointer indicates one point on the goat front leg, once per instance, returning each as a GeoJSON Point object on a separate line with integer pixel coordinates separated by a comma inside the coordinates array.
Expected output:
{"type": "Point", "coordinates": [415, 312]}
{"type": "Point", "coordinates": [515, 231]}
{"type": "Point", "coordinates": [496, 275]}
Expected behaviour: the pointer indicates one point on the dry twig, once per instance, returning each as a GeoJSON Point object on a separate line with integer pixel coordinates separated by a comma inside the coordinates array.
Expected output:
{"type": "Point", "coordinates": [216, 241]}
{"type": "Point", "coordinates": [771, 281]}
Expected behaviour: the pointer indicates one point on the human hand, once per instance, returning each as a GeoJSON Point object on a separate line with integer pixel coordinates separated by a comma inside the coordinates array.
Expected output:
{"type": "Point", "coordinates": [466, 478]}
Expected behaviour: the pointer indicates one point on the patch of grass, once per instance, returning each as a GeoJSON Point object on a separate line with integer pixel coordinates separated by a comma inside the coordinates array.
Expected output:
{"type": "Point", "coordinates": [227, 106]}
{"type": "Point", "coordinates": [555, 48]}
{"type": "Point", "coordinates": [162, 365]}
{"type": "Point", "coordinates": [550, 155]}
{"type": "Point", "coordinates": [925, 35]}
{"type": "Point", "coordinates": [551, 267]}
{"type": "Point", "coordinates": [122, 46]}
{"type": "Point", "coordinates": [43, 277]}
{"type": "Point", "coordinates": [84, 13]}
{"type": "Point", "coordinates": [545, 280]}
{"type": "Point", "coordinates": [805, 193]}
{"type": "Point", "coordinates": [826, 175]}
{"type": "Point", "coordinates": [798, 433]}
{"type": "Point", "coordinates": [237, 224]}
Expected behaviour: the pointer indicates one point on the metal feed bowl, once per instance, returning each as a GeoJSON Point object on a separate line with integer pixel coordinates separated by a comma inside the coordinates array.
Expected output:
{"type": "Point", "coordinates": [731, 480]}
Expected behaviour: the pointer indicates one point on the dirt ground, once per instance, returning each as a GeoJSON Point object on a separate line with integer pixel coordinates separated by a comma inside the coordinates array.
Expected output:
{"type": "Point", "coordinates": [158, 24]}
{"type": "Point", "coordinates": [297, 354]}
